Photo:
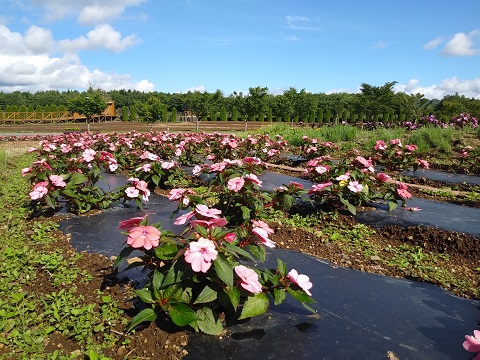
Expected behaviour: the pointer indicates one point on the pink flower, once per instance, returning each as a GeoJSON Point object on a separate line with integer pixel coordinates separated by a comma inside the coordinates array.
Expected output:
{"type": "Point", "coordinates": [230, 237]}
{"type": "Point", "coordinates": [184, 218]}
{"type": "Point", "coordinates": [301, 280]}
{"type": "Point", "coordinates": [204, 210]}
{"type": "Point", "coordinates": [130, 223]}
{"type": "Point", "coordinates": [413, 208]}
{"type": "Point", "coordinates": [402, 190]}
{"type": "Point", "coordinates": [295, 184]}
{"type": "Point", "coordinates": [423, 163]}
{"type": "Point", "coordinates": [143, 236]}
{"type": "Point", "coordinates": [200, 254]}
{"type": "Point", "coordinates": [249, 279]}
{"type": "Point", "coordinates": [168, 165]}
{"type": "Point", "coordinates": [252, 160]}
{"type": "Point", "coordinates": [262, 234]}
{"type": "Point", "coordinates": [263, 225]}
{"type": "Point", "coordinates": [253, 178]}
{"type": "Point", "coordinates": [380, 145]}
{"type": "Point", "coordinates": [26, 171]}
{"type": "Point", "coordinates": [322, 169]}
{"type": "Point", "coordinates": [396, 142]}
{"type": "Point", "coordinates": [209, 223]}
{"type": "Point", "coordinates": [411, 148]}
{"type": "Point", "coordinates": [57, 180]}
{"type": "Point", "coordinates": [343, 177]}
{"type": "Point", "coordinates": [235, 184]}
{"type": "Point", "coordinates": [472, 343]}
{"type": "Point", "coordinates": [217, 166]}
{"type": "Point", "coordinates": [176, 194]}
{"type": "Point", "coordinates": [88, 155]}
{"type": "Point", "coordinates": [197, 169]}
{"type": "Point", "coordinates": [317, 188]}
{"type": "Point", "coordinates": [132, 192]}
{"type": "Point", "coordinates": [355, 186]}
{"type": "Point", "coordinates": [383, 177]}
{"type": "Point", "coordinates": [145, 168]}
{"type": "Point", "coordinates": [39, 190]}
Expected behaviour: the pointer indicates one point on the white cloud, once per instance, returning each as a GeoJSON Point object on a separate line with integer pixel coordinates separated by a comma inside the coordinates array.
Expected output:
{"type": "Point", "coordinates": [296, 22]}
{"type": "Point", "coordinates": [433, 44]}
{"type": "Point", "coordinates": [292, 38]}
{"type": "Point", "coordinates": [200, 88]}
{"type": "Point", "coordinates": [102, 37]}
{"type": "Point", "coordinates": [145, 86]}
{"type": "Point", "coordinates": [462, 44]}
{"type": "Point", "coordinates": [450, 86]}
{"type": "Point", "coordinates": [38, 40]}
{"type": "Point", "coordinates": [88, 12]}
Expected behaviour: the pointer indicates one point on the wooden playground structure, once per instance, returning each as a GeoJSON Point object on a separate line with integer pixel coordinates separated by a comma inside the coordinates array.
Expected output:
{"type": "Point", "coordinates": [46, 117]}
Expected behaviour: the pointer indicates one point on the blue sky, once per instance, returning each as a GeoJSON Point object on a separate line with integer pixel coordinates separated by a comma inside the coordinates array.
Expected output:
{"type": "Point", "coordinates": [428, 47]}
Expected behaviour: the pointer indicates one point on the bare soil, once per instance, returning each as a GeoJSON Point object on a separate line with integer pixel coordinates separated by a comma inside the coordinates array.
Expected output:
{"type": "Point", "coordinates": [159, 341]}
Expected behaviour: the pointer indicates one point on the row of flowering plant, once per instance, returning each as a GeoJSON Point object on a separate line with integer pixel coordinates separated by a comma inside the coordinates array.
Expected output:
{"type": "Point", "coordinates": [206, 276]}
{"type": "Point", "coordinates": [352, 182]}
{"type": "Point", "coordinates": [313, 148]}
{"type": "Point", "coordinates": [394, 156]}
{"type": "Point", "coordinates": [468, 159]}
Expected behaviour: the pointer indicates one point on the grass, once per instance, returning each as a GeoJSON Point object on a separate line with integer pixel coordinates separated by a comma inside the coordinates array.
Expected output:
{"type": "Point", "coordinates": [27, 320]}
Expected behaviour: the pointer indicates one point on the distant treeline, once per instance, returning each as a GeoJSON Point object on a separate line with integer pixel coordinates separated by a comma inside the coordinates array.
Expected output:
{"type": "Point", "coordinates": [372, 103]}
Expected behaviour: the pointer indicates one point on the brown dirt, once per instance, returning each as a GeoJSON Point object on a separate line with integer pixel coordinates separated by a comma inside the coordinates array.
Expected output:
{"type": "Point", "coordinates": [156, 342]}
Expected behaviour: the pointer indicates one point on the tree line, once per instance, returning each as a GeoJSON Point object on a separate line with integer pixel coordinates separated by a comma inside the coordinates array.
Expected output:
{"type": "Point", "coordinates": [372, 103]}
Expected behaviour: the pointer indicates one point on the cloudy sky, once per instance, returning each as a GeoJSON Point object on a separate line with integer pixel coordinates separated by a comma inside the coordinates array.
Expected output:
{"type": "Point", "coordinates": [430, 47]}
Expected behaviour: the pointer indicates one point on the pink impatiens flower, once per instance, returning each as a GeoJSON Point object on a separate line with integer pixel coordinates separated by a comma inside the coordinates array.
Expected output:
{"type": "Point", "coordinates": [262, 234]}
{"type": "Point", "coordinates": [130, 223]}
{"type": "Point", "coordinates": [204, 210]}
{"type": "Point", "coordinates": [235, 184]}
{"type": "Point", "coordinates": [249, 279]}
{"type": "Point", "coordinates": [132, 192]}
{"type": "Point", "coordinates": [303, 281]}
{"type": "Point", "coordinates": [57, 180]}
{"type": "Point", "coordinates": [472, 343]}
{"type": "Point", "coordinates": [317, 188]}
{"type": "Point", "coordinates": [39, 190]}
{"type": "Point", "coordinates": [355, 186]}
{"type": "Point", "coordinates": [143, 236]}
{"type": "Point", "coordinates": [402, 190]}
{"type": "Point", "coordinates": [200, 254]}
{"type": "Point", "coordinates": [253, 178]}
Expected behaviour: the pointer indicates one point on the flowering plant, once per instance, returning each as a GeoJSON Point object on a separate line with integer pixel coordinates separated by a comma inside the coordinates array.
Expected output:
{"type": "Point", "coordinates": [352, 182]}
{"type": "Point", "coordinates": [468, 159]}
{"type": "Point", "coordinates": [394, 156]}
{"type": "Point", "coordinates": [207, 276]}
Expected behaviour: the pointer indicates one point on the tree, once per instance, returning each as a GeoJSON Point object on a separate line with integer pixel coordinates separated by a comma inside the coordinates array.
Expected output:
{"type": "Point", "coordinates": [375, 100]}
{"type": "Point", "coordinates": [173, 115]}
{"type": "Point", "coordinates": [88, 104]}
{"type": "Point", "coordinates": [255, 102]}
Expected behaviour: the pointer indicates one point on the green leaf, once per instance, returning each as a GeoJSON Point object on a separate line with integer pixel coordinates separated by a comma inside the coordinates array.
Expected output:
{"type": "Point", "coordinates": [157, 279]}
{"type": "Point", "coordinates": [51, 201]}
{"type": "Point", "coordinates": [279, 296]}
{"type": "Point", "coordinates": [156, 179]}
{"type": "Point", "coordinates": [207, 295]}
{"type": "Point", "coordinates": [181, 314]}
{"type": "Point", "coordinates": [224, 271]}
{"type": "Point", "coordinates": [282, 268]}
{"type": "Point", "coordinates": [300, 295]}
{"type": "Point", "coordinates": [258, 251]}
{"type": "Point", "coordinates": [349, 206]}
{"type": "Point", "coordinates": [145, 295]}
{"type": "Point", "coordinates": [288, 201]}
{"type": "Point", "coordinates": [208, 323]}
{"type": "Point", "coordinates": [392, 205]}
{"type": "Point", "coordinates": [254, 306]}
{"type": "Point", "coordinates": [123, 254]}
{"type": "Point", "coordinates": [77, 179]}
{"type": "Point", "coordinates": [234, 296]}
{"type": "Point", "coordinates": [238, 251]}
{"type": "Point", "coordinates": [144, 315]}
{"type": "Point", "coordinates": [166, 251]}
{"type": "Point", "coordinates": [245, 213]}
